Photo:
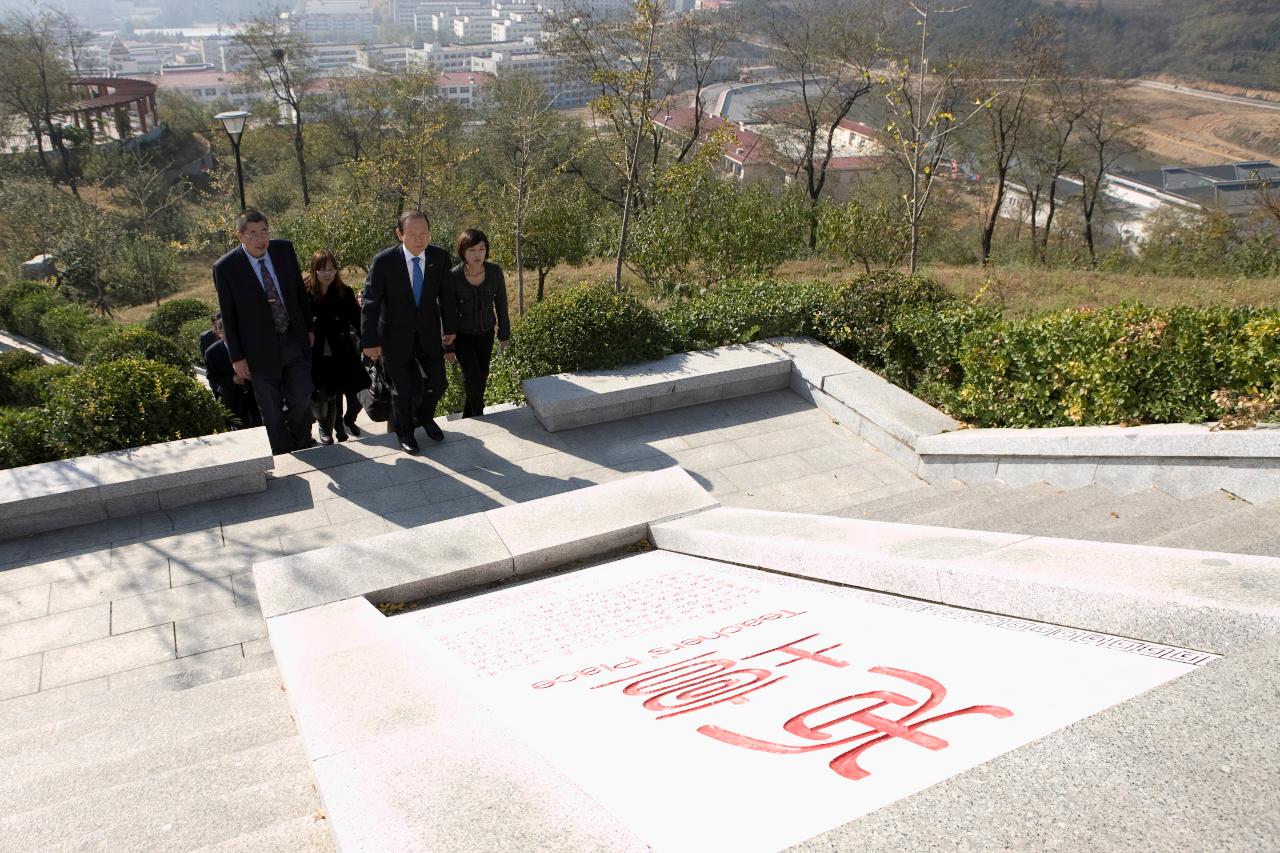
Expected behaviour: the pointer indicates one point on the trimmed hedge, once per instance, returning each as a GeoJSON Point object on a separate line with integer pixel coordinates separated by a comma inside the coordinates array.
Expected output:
{"type": "Point", "coordinates": [24, 439]}
{"type": "Point", "coordinates": [747, 311]}
{"type": "Point", "coordinates": [32, 387]}
{"type": "Point", "coordinates": [1124, 365]}
{"type": "Point", "coordinates": [142, 344]}
{"type": "Point", "coordinates": [168, 319]}
{"type": "Point", "coordinates": [586, 328]}
{"type": "Point", "coordinates": [128, 403]}
{"type": "Point", "coordinates": [13, 363]}
{"type": "Point", "coordinates": [864, 321]}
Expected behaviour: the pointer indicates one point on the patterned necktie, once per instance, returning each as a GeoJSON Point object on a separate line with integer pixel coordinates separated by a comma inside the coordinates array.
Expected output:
{"type": "Point", "coordinates": [417, 281]}
{"type": "Point", "coordinates": [279, 314]}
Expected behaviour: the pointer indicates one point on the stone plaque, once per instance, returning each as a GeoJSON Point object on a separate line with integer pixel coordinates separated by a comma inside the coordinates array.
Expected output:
{"type": "Point", "coordinates": [712, 707]}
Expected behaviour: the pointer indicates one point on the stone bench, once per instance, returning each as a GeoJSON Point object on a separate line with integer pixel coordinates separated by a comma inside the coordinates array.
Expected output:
{"type": "Point", "coordinates": [54, 495]}
{"type": "Point", "coordinates": [569, 400]}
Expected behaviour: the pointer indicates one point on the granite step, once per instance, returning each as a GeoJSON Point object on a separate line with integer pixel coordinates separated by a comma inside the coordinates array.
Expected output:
{"type": "Point", "coordinates": [1108, 513]}
{"type": "Point", "coordinates": [1043, 514]}
{"type": "Point", "coordinates": [181, 809]}
{"type": "Point", "coordinates": [932, 500]}
{"type": "Point", "coordinates": [964, 514]}
{"type": "Point", "coordinates": [49, 707]}
{"type": "Point", "coordinates": [108, 718]}
{"type": "Point", "coordinates": [307, 834]}
{"type": "Point", "coordinates": [1238, 532]}
{"type": "Point", "coordinates": [1184, 514]}
{"type": "Point", "coordinates": [175, 770]}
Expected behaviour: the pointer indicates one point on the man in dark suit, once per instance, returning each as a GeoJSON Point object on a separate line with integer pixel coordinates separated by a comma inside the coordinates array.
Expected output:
{"type": "Point", "coordinates": [235, 393]}
{"type": "Point", "coordinates": [267, 327]}
{"type": "Point", "coordinates": [210, 336]}
{"type": "Point", "coordinates": [406, 319]}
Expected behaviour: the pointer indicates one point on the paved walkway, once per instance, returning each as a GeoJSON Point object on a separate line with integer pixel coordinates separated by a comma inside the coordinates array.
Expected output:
{"type": "Point", "coordinates": [120, 603]}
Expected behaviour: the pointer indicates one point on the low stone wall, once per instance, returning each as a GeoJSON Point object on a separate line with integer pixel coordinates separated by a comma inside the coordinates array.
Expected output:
{"type": "Point", "coordinates": [1183, 460]}
{"type": "Point", "coordinates": [55, 495]}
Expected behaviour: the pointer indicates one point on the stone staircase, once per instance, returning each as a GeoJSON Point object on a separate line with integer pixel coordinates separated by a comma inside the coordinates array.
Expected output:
{"type": "Point", "coordinates": [1217, 521]}
{"type": "Point", "coordinates": [160, 766]}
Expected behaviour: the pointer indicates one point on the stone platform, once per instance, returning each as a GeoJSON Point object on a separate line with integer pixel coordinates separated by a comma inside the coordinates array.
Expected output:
{"type": "Point", "coordinates": [139, 694]}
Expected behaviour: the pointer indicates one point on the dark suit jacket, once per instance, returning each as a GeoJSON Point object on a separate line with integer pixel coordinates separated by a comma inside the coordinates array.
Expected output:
{"type": "Point", "coordinates": [246, 316]}
{"type": "Point", "coordinates": [389, 319]}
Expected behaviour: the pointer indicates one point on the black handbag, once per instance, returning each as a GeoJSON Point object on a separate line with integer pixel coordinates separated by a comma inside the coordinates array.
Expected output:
{"type": "Point", "coordinates": [376, 399]}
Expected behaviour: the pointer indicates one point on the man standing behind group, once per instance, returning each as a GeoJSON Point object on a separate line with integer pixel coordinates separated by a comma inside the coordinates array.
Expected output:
{"type": "Point", "coordinates": [407, 317]}
{"type": "Point", "coordinates": [267, 327]}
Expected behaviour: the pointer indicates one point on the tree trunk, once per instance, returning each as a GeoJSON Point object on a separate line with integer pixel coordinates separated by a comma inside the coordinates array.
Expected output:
{"type": "Point", "coordinates": [302, 160]}
{"type": "Point", "coordinates": [542, 280]}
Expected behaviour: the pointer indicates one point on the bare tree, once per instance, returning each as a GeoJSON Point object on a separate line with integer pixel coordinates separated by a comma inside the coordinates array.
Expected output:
{"type": "Point", "coordinates": [691, 47]}
{"type": "Point", "coordinates": [526, 143]}
{"type": "Point", "coordinates": [927, 106]}
{"type": "Point", "coordinates": [1107, 132]}
{"type": "Point", "coordinates": [827, 50]}
{"type": "Point", "coordinates": [278, 59]}
{"type": "Point", "coordinates": [1033, 61]}
{"type": "Point", "coordinates": [36, 83]}
{"type": "Point", "coordinates": [617, 56]}
{"type": "Point", "coordinates": [141, 187]}
{"type": "Point", "coordinates": [1047, 156]}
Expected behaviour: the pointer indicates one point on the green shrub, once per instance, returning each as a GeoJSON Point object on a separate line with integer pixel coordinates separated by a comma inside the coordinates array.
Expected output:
{"type": "Point", "coordinates": [128, 403]}
{"type": "Point", "coordinates": [72, 329]}
{"type": "Point", "coordinates": [23, 439]}
{"type": "Point", "coordinates": [746, 311]}
{"type": "Point", "coordinates": [167, 320]}
{"type": "Point", "coordinates": [141, 343]}
{"type": "Point", "coordinates": [13, 293]}
{"type": "Point", "coordinates": [1124, 365]}
{"type": "Point", "coordinates": [862, 321]}
{"type": "Point", "coordinates": [585, 328]}
{"type": "Point", "coordinates": [938, 334]}
{"type": "Point", "coordinates": [33, 386]}
{"type": "Point", "coordinates": [188, 338]}
{"type": "Point", "coordinates": [12, 363]}
{"type": "Point", "coordinates": [30, 309]}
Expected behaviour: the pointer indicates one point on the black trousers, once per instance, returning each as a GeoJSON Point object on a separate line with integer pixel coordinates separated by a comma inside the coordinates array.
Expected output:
{"type": "Point", "coordinates": [474, 353]}
{"type": "Point", "coordinates": [417, 384]}
{"type": "Point", "coordinates": [284, 401]}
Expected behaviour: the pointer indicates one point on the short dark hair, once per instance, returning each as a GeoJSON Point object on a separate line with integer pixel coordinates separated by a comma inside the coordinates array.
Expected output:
{"type": "Point", "coordinates": [470, 238]}
{"type": "Point", "coordinates": [250, 215]}
{"type": "Point", "coordinates": [413, 213]}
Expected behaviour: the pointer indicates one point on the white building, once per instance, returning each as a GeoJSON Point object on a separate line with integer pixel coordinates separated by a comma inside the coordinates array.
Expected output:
{"type": "Point", "coordinates": [461, 87]}
{"type": "Point", "coordinates": [329, 20]}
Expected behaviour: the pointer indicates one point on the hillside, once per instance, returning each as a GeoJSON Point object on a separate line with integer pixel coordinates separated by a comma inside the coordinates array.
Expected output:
{"type": "Point", "coordinates": [1220, 41]}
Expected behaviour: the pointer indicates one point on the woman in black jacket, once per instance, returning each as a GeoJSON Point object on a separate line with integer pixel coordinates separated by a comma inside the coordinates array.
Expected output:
{"type": "Point", "coordinates": [480, 291]}
{"type": "Point", "coordinates": [336, 370]}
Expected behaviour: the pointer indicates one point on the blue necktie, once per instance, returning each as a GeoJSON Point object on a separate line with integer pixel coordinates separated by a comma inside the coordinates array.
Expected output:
{"type": "Point", "coordinates": [417, 281]}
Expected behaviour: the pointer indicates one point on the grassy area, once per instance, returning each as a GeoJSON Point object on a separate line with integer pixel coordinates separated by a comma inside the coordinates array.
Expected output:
{"type": "Point", "coordinates": [1020, 291]}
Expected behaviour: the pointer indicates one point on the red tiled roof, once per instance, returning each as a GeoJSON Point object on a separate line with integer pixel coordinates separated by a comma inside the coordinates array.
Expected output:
{"type": "Point", "coordinates": [748, 147]}
{"type": "Point", "coordinates": [858, 127]}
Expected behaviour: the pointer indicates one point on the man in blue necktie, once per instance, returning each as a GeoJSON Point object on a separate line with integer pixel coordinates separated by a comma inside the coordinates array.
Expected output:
{"type": "Point", "coordinates": [267, 325]}
{"type": "Point", "coordinates": [407, 317]}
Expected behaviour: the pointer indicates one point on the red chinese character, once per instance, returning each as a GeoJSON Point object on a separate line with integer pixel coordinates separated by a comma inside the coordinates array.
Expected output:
{"type": "Point", "coordinates": [798, 654]}
{"type": "Point", "coordinates": [693, 684]}
{"type": "Point", "coordinates": [846, 764]}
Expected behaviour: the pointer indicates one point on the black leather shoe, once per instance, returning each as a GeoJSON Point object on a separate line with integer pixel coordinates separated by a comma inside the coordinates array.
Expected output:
{"type": "Point", "coordinates": [433, 431]}
{"type": "Point", "coordinates": [354, 430]}
{"type": "Point", "coordinates": [326, 438]}
{"type": "Point", "coordinates": [408, 443]}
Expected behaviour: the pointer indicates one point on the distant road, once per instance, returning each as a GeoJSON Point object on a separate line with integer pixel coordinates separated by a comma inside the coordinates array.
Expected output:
{"type": "Point", "coordinates": [1212, 96]}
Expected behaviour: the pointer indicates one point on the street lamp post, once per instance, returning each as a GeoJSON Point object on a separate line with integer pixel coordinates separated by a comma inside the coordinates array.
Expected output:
{"type": "Point", "coordinates": [233, 123]}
